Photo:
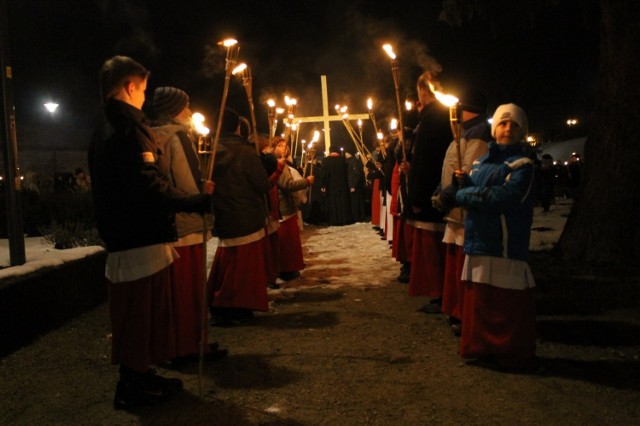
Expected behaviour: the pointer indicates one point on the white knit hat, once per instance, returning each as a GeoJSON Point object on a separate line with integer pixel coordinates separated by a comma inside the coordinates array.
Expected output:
{"type": "Point", "coordinates": [510, 112]}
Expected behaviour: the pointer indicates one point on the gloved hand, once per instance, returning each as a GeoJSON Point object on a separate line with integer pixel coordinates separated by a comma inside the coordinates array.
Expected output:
{"type": "Point", "coordinates": [199, 203]}
{"type": "Point", "coordinates": [460, 179]}
{"type": "Point", "coordinates": [446, 199]}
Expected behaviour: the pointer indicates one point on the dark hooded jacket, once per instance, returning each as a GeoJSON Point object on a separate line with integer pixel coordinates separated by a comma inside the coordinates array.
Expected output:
{"type": "Point", "coordinates": [241, 184]}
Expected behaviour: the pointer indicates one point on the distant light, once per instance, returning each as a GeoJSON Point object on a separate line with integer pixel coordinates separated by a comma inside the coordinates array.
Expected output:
{"type": "Point", "coordinates": [51, 107]}
{"type": "Point", "coordinates": [490, 120]}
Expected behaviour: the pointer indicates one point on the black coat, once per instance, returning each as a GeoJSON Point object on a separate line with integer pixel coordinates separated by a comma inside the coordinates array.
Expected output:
{"type": "Point", "coordinates": [432, 138]}
{"type": "Point", "coordinates": [135, 204]}
{"type": "Point", "coordinates": [334, 180]}
{"type": "Point", "coordinates": [239, 204]}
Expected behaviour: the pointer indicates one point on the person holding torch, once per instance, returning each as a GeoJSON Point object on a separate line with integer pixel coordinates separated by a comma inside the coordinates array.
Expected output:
{"type": "Point", "coordinates": [498, 320]}
{"type": "Point", "coordinates": [238, 278]}
{"type": "Point", "coordinates": [432, 138]}
{"type": "Point", "coordinates": [472, 144]}
{"type": "Point", "coordinates": [173, 127]}
{"type": "Point", "coordinates": [135, 207]}
{"type": "Point", "coordinates": [290, 191]}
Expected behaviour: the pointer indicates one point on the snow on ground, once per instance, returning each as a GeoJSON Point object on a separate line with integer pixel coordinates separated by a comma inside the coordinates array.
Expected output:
{"type": "Point", "coordinates": [40, 254]}
{"type": "Point", "coordinates": [328, 250]}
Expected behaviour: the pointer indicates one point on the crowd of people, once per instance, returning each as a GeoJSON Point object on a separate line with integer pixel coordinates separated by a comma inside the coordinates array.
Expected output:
{"type": "Point", "coordinates": [454, 200]}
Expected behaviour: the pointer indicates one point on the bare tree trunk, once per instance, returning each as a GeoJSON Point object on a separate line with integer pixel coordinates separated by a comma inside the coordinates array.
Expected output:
{"type": "Point", "coordinates": [604, 225]}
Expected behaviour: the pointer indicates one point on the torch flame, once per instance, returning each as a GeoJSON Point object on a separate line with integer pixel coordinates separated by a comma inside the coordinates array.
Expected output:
{"type": "Point", "coordinates": [197, 117]}
{"type": "Point", "coordinates": [271, 103]}
{"type": "Point", "coordinates": [359, 123]}
{"type": "Point", "coordinates": [228, 42]}
{"type": "Point", "coordinates": [279, 110]}
{"type": "Point", "coordinates": [290, 101]}
{"type": "Point", "coordinates": [380, 135]}
{"type": "Point", "coordinates": [394, 124]}
{"type": "Point", "coordinates": [198, 123]}
{"type": "Point", "coordinates": [239, 68]}
{"type": "Point", "coordinates": [408, 105]}
{"type": "Point", "coordinates": [447, 100]}
{"type": "Point", "coordinates": [389, 49]}
{"type": "Point", "coordinates": [369, 104]}
{"type": "Point", "coordinates": [316, 136]}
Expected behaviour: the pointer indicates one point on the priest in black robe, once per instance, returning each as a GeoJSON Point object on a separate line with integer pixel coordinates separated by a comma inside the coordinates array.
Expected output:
{"type": "Point", "coordinates": [335, 187]}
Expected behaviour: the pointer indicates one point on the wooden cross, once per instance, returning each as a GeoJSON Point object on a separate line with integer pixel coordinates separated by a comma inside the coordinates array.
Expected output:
{"type": "Point", "coordinates": [325, 117]}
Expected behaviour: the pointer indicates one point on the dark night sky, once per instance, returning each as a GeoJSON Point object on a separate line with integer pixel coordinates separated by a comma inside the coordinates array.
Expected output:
{"type": "Point", "coordinates": [56, 49]}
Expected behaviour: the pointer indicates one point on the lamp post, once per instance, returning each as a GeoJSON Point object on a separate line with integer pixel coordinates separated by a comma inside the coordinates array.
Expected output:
{"type": "Point", "coordinates": [13, 185]}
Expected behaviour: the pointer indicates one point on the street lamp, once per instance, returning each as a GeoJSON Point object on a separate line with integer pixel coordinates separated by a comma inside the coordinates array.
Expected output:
{"type": "Point", "coordinates": [51, 107]}
{"type": "Point", "coordinates": [572, 122]}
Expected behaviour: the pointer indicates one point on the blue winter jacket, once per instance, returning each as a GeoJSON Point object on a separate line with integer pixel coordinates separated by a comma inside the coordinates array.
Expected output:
{"type": "Point", "coordinates": [499, 202]}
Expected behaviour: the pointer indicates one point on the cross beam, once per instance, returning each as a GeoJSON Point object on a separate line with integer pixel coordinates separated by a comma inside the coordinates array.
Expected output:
{"type": "Point", "coordinates": [325, 118]}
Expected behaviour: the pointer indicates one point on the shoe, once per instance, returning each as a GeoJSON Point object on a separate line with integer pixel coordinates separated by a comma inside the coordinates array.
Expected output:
{"type": "Point", "coordinates": [456, 329]}
{"type": "Point", "coordinates": [215, 355]}
{"type": "Point", "coordinates": [430, 309]}
{"type": "Point", "coordinates": [433, 307]}
{"type": "Point", "coordinates": [144, 389]}
{"type": "Point", "coordinates": [222, 321]}
{"type": "Point", "coordinates": [403, 278]}
{"type": "Point", "coordinates": [288, 276]}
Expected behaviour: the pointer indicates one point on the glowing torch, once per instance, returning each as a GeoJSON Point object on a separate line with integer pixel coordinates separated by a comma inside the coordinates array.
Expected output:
{"type": "Point", "coordinates": [291, 104]}
{"type": "Point", "coordinates": [395, 72]}
{"type": "Point", "coordinates": [271, 113]}
{"type": "Point", "coordinates": [232, 56]}
{"type": "Point", "coordinates": [230, 63]}
{"type": "Point", "coordinates": [372, 115]}
{"type": "Point", "coordinates": [245, 72]}
{"type": "Point", "coordinates": [453, 104]}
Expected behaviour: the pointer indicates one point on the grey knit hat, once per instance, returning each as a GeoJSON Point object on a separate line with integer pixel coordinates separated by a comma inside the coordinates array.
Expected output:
{"type": "Point", "coordinates": [169, 101]}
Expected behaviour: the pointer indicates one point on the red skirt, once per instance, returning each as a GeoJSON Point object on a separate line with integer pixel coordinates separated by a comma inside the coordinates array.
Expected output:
{"type": "Point", "coordinates": [272, 257]}
{"type": "Point", "coordinates": [398, 237]}
{"type": "Point", "coordinates": [290, 246]}
{"type": "Point", "coordinates": [403, 232]}
{"type": "Point", "coordinates": [238, 277]}
{"type": "Point", "coordinates": [498, 322]}
{"type": "Point", "coordinates": [427, 264]}
{"type": "Point", "coordinates": [453, 290]}
{"type": "Point", "coordinates": [187, 282]}
{"type": "Point", "coordinates": [375, 203]}
{"type": "Point", "coordinates": [395, 188]}
{"type": "Point", "coordinates": [142, 323]}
